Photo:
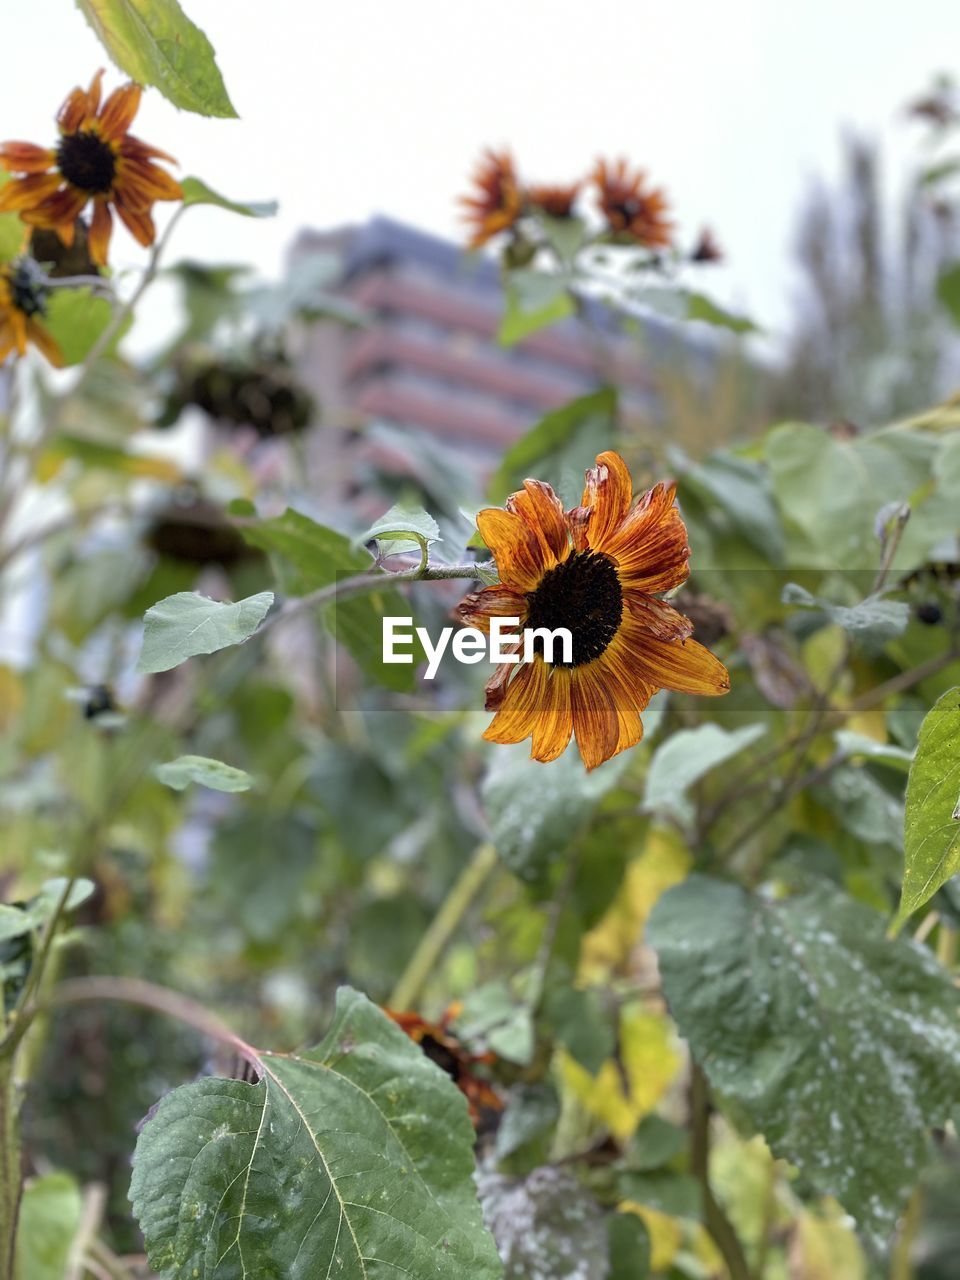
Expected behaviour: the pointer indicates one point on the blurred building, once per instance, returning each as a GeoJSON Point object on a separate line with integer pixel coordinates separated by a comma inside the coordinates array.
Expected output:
{"type": "Point", "coordinates": [427, 362]}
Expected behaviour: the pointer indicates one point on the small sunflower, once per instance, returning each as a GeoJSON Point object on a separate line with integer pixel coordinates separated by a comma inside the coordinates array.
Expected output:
{"type": "Point", "coordinates": [449, 1053]}
{"type": "Point", "coordinates": [632, 210]}
{"type": "Point", "coordinates": [23, 304]}
{"type": "Point", "coordinates": [498, 203]}
{"type": "Point", "coordinates": [597, 570]}
{"type": "Point", "coordinates": [706, 249]}
{"type": "Point", "coordinates": [97, 160]}
{"type": "Point", "coordinates": [557, 201]}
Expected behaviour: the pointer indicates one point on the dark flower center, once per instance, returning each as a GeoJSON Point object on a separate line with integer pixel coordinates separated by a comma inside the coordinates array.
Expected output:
{"type": "Point", "coordinates": [582, 594]}
{"type": "Point", "coordinates": [87, 162]}
{"type": "Point", "coordinates": [27, 288]}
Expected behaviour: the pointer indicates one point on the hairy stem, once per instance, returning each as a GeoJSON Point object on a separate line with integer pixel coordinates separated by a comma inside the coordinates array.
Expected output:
{"type": "Point", "coordinates": [11, 1180]}
{"type": "Point", "coordinates": [718, 1225]}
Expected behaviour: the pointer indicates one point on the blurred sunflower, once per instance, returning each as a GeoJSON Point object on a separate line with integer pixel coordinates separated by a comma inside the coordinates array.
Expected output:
{"type": "Point", "coordinates": [448, 1052]}
{"type": "Point", "coordinates": [630, 208]}
{"type": "Point", "coordinates": [96, 159]}
{"type": "Point", "coordinates": [23, 304]}
{"type": "Point", "coordinates": [596, 570]}
{"type": "Point", "coordinates": [497, 204]}
{"type": "Point", "coordinates": [557, 201]}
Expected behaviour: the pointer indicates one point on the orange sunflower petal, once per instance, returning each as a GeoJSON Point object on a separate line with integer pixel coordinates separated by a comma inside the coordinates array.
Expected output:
{"type": "Point", "coordinates": [45, 343]}
{"type": "Point", "coordinates": [136, 149]}
{"type": "Point", "coordinates": [521, 706]}
{"type": "Point", "coordinates": [7, 339]}
{"type": "Point", "coordinates": [101, 229]}
{"type": "Point", "coordinates": [119, 110]}
{"type": "Point", "coordinates": [595, 721]}
{"type": "Point", "coordinates": [24, 157]}
{"type": "Point", "coordinates": [58, 211]}
{"type": "Point", "coordinates": [80, 105]}
{"type": "Point", "coordinates": [26, 193]}
{"type": "Point", "coordinates": [682, 665]}
{"type": "Point", "coordinates": [496, 687]}
{"type": "Point", "coordinates": [147, 182]}
{"type": "Point", "coordinates": [656, 616]}
{"type": "Point", "coordinates": [554, 723]}
{"type": "Point", "coordinates": [650, 546]}
{"type": "Point", "coordinates": [137, 221]}
{"type": "Point", "coordinates": [517, 549]}
{"type": "Point", "coordinates": [608, 493]}
{"type": "Point", "coordinates": [477, 608]}
{"type": "Point", "coordinates": [540, 508]}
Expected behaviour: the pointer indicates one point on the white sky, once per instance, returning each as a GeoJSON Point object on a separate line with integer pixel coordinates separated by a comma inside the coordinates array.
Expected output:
{"type": "Point", "coordinates": [373, 105]}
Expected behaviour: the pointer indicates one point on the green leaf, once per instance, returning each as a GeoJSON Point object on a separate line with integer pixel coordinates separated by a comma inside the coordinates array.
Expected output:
{"type": "Point", "coordinates": [948, 291]}
{"type": "Point", "coordinates": [536, 810]}
{"type": "Point", "coordinates": [546, 1225]}
{"type": "Point", "coordinates": [565, 235]}
{"type": "Point", "coordinates": [76, 318]}
{"type": "Point", "coordinates": [560, 447]}
{"type": "Point", "coordinates": [873, 619]}
{"type": "Point", "coordinates": [932, 817]}
{"type": "Point", "coordinates": [17, 921]}
{"type": "Point", "coordinates": [858, 745]}
{"type": "Point", "coordinates": [534, 301]}
{"type": "Point", "coordinates": [196, 191]}
{"type": "Point", "coordinates": [737, 491]}
{"type": "Point", "coordinates": [353, 1159]}
{"type": "Point", "coordinates": [187, 624]}
{"type": "Point", "coordinates": [836, 1043]}
{"type": "Point", "coordinates": [205, 772]}
{"type": "Point", "coordinates": [308, 556]}
{"type": "Point", "coordinates": [155, 43]}
{"type": "Point", "coordinates": [400, 528]}
{"type": "Point", "coordinates": [686, 757]}
{"type": "Point", "coordinates": [50, 1215]}
{"type": "Point", "coordinates": [629, 1244]}
{"type": "Point", "coordinates": [686, 304]}
{"type": "Point", "coordinates": [492, 1015]}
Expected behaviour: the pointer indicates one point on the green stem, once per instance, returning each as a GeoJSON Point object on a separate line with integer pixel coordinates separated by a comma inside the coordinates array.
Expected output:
{"type": "Point", "coordinates": [442, 928]}
{"type": "Point", "coordinates": [901, 1267]}
{"type": "Point", "coordinates": [718, 1225]}
{"type": "Point", "coordinates": [11, 1180]}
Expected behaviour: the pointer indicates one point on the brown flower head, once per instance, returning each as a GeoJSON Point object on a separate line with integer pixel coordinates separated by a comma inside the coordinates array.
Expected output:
{"type": "Point", "coordinates": [96, 159]}
{"type": "Point", "coordinates": [597, 570]}
{"type": "Point", "coordinates": [632, 210]}
{"type": "Point", "coordinates": [23, 304]}
{"type": "Point", "coordinates": [497, 204]}
{"type": "Point", "coordinates": [558, 202]}
{"type": "Point", "coordinates": [442, 1047]}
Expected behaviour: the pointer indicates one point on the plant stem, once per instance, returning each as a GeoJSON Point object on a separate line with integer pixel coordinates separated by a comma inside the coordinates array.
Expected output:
{"type": "Point", "coordinates": [11, 1180]}
{"type": "Point", "coordinates": [442, 928]}
{"type": "Point", "coordinates": [717, 1223]}
{"type": "Point", "coordinates": [901, 1267]}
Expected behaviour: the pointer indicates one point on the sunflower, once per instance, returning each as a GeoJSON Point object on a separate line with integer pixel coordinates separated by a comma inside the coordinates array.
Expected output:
{"type": "Point", "coordinates": [557, 201]}
{"type": "Point", "coordinates": [96, 159]}
{"type": "Point", "coordinates": [23, 304]}
{"type": "Point", "coordinates": [631, 209]}
{"type": "Point", "coordinates": [449, 1053]}
{"type": "Point", "coordinates": [498, 203]}
{"type": "Point", "coordinates": [597, 570]}
{"type": "Point", "coordinates": [706, 249]}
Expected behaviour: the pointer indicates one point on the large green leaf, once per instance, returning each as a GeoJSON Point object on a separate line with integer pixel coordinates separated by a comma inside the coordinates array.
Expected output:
{"type": "Point", "coordinates": [546, 1225]}
{"type": "Point", "coordinates": [838, 1044]}
{"type": "Point", "coordinates": [308, 556]}
{"type": "Point", "coordinates": [536, 810]}
{"type": "Point", "coordinates": [687, 756]}
{"type": "Point", "coordinates": [352, 1160]}
{"type": "Point", "coordinates": [400, 529]}
{"type": "Point", "coordinates": [76, 318]}
{"type": "Point", "coordinates": [931, 843]}
{"type": "Point", "coordinates": [535, 300]}
{"type": "Point", "coordinates": [873, 619]}
{"type": "Point", "coordinates": [155, 43]}
{"type": "Point", "coordinates": [187, 624]}
{"type": "Point", "coordinates": [560, 447]}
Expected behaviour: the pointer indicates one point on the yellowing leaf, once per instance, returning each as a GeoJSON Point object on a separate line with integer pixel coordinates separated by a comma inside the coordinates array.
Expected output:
{"type": "Point", "coordinates": [823, 1248]}
{"type": "Point", "coordinates": [871, 723]}
{"type": "Point", "coordinates": [666, 1233]}
{"type": "Point", "coordinates": [624, 1091]}
{"type": "Point", "coordinates": [664, 862]}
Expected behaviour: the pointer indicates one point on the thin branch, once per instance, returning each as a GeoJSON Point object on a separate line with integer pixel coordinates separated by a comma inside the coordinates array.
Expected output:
{"type": "Point", "coordinates": [717, 1223]}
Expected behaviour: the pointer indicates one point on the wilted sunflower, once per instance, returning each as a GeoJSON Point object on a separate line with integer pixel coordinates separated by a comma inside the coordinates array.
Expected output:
{"type": "Point", "coordinates": [630, 208]}
{"type": "Point", "coordinates": [23, 304]}
{"type": "Point", "coordinates": [557, 201]}
{"type": "Point", "coordinates": [96, 159]}
{"type": "Point", "coordinates": [596, 570]}
{"type": "Point", "coordinates": [498, 204]}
